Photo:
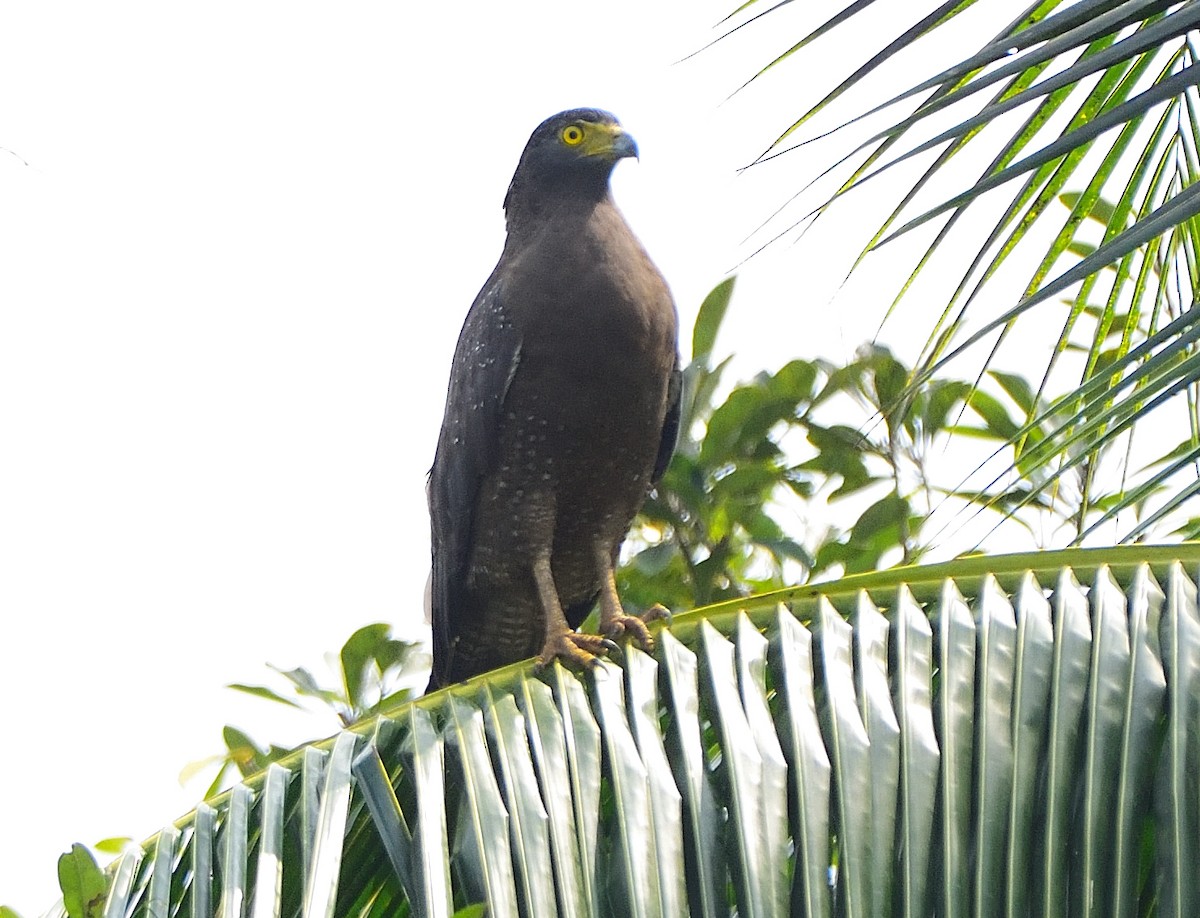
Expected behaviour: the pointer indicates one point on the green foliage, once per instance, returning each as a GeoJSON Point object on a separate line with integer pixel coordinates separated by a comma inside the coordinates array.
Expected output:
{"type": "Point", "coordinates": [1005, 735]}
{"type": "Point", "coordinates": [799, 444]}
{"type": "Point", "coordinates": [764, 466]}
{"type": "Point", "coordinates": [370, 659]}
{"type": "Point", "coordinates": [779, 449]}
{"type": "Point", "coordinates": [1096, 182]}
{"type": "Point", "coordinates": [113, 845]}
{"type": "Point", "coordinates": [710, 317]}
{"type": "Point", "coordinates": [373, 667]}
{"type": "Point", "coordinates": [6, 912]}
{"type": "Point", "coordinates": [818, 469]}
{"type": "Point", "coordinates": [810, 471]}
{"type": "Point", "coordinates": [84, 885]}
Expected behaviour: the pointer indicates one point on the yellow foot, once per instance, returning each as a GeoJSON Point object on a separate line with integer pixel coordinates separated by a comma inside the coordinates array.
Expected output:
{"type": "Point", "coordinates": [656, 612]}
{"type": "Point", "coordinates": [635, 626]}
{"type": "Point", "coordinates": [574, 647]}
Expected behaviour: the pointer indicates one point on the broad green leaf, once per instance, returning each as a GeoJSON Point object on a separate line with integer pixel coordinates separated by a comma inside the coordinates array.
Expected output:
{"type": "Point", "coordinates": [358, 656]}
{"type": "Point", "coordinates": [654, 560]}
{"type": "Point", "coordinates": [83, 884]}
{"type": "Point", "coordinates": [710, 317]}
{"type": "Point", "coordinates": [1018, 389]}
{"type": "Point", "coordinates": [242, 750]}
{"type": "Point", "coordinates": [303, 680]}
{"type": "Point", "coordinates": [113, 845]}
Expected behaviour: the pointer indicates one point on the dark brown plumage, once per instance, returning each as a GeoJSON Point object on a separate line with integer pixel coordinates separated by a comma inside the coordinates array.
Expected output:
{"type": "Point", "coordinates": [562, 411]}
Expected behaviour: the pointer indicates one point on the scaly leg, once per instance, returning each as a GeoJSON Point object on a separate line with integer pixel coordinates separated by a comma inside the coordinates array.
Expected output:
{"type": "Point", "coordinates": [613, 619]}
{"type": "Point", "coordinates": [561, 642]}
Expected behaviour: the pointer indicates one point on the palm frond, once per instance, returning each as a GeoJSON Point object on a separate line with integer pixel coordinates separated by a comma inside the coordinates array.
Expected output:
{"type": "Point", "coordinates": [1108, 89]}
{"type": "Point", "coordinates": [1008, 735]}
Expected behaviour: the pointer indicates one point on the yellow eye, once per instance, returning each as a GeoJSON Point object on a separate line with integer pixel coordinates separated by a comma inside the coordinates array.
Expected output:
{"type": "Point", "coordinates": [572, 135]}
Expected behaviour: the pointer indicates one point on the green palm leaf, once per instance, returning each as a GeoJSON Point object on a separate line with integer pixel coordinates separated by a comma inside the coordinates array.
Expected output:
{"type": "Point", "coordinates": [1032, 744]}
{"type": "Point", "coordinates": [1129, 68]}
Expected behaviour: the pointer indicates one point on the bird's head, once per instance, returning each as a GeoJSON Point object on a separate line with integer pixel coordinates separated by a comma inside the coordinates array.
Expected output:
{"type": "Point", "coordinates": [571, 153]}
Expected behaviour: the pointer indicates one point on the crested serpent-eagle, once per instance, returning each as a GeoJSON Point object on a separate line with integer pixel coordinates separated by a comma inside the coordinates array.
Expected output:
{"type": "Point", "coordinates": [561, 414]}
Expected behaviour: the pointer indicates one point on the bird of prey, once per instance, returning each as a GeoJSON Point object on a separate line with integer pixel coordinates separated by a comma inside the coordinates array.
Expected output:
{"type": "Point", "coordinates": [561, 414]}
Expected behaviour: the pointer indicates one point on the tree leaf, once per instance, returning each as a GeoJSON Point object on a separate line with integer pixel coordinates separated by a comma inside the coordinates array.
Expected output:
{"type": "Point", "coordinates": [83, 884]}
{"type": "Point", "coordinates": [113, 845]}
{"type": "Point", "coordinates": [710, 317]}
{"type": "Point", "coordinates": [263, 691]}
{"type": "Point", "coordinates": [358, 656]}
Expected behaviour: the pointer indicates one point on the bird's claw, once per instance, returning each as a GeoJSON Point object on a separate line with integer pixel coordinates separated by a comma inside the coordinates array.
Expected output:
{"type": "Point", "coordinates": [634, 626]}
{"type": "Point", "coordinates": [613, 648]}
{"type": "Point", "coordinates": [584, 650]}
{"type": "Point", "coordinates": [658, 612]}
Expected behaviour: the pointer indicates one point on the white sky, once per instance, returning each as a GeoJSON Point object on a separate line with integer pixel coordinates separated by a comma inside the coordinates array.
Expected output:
{"type": "Point", "coordinates": [233, 272]}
